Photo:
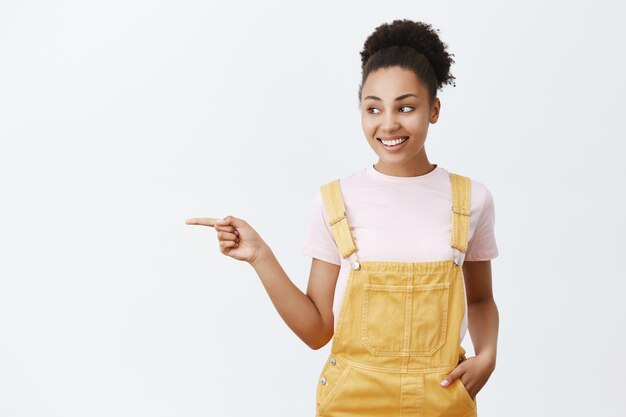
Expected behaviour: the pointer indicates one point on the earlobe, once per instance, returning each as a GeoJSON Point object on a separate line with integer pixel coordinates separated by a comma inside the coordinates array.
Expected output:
{"type": "Point", "coordinates": [435, 114]}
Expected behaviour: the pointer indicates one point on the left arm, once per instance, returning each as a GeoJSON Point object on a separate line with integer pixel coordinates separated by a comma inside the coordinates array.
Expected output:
{"type": "Point", "coordinates": [483, 327]}
{"type": "Point", "coordinates": [483, 318]}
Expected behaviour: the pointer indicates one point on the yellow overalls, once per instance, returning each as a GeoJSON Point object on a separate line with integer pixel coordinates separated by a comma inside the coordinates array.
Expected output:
{"type": "Point", "coordinates": [398, 331]}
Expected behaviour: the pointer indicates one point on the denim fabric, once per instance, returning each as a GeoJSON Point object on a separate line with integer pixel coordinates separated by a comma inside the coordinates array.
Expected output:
{"type": "Point", "coordinates": [397, 335]}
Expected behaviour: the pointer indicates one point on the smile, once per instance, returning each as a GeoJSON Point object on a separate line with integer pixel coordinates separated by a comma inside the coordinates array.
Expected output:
{"type": "Point", "coordinates": [392, 144]}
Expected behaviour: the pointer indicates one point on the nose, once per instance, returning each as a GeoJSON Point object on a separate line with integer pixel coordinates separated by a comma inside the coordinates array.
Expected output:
{"type": "Point", "coordinates": [389, 123]}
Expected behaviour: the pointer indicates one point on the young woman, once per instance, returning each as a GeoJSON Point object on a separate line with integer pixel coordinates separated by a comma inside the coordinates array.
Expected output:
{"type": "Point", "coordinates": [401, 253]}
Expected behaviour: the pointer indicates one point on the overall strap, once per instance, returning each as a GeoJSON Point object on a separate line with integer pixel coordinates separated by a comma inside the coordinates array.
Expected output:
{"type": "Point", "coordinates": [336, 213]}
{"type": "Point", "coordinates": [461, 197]}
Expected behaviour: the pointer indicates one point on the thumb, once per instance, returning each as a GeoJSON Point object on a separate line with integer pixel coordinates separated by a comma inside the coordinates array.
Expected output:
{"type": "Point", "coordinates": [231, 221]}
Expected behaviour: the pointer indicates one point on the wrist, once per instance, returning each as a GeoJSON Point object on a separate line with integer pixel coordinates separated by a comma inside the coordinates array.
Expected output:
{"type": "Point", "coordinates": [488, 357]}
{"type": "Point", "coordinates": [261, 256]}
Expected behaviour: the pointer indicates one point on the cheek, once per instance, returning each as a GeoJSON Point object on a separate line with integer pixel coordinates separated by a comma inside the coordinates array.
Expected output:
{"type": "Point", "coordinates": [369, 126]}
{"type": "Point", "coordinates": [421, 122]}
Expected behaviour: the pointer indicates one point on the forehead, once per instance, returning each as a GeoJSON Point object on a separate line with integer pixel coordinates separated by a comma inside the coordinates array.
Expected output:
{"type": "Point", "coordinates": [388, 83]}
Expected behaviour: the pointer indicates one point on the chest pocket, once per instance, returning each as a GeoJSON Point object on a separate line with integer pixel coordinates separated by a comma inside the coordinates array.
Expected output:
{"type": "Point", "coordinates": [401, 319]}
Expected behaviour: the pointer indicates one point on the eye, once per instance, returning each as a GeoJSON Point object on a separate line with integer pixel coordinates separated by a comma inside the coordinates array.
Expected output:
{"type": "Point", "coordinates": [369, 109]}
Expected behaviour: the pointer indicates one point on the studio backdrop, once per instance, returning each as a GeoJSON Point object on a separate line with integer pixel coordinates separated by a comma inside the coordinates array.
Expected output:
{"type": "Point", "coordinates": [119, 120]}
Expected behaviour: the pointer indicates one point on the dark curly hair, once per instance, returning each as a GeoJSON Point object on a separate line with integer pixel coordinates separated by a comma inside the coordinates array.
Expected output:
{"type": "Point", "coordinates": [414, 46]}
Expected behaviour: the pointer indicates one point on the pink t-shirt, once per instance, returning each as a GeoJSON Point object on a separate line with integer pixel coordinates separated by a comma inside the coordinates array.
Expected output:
{"type": "Point", "coordinates": [404, 219]}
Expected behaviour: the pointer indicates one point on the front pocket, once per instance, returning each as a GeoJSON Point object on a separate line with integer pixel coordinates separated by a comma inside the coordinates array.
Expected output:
{"type": "Point", "coordinates": [330, 380]}
{"type": "Point", "coordinates": [466, 394]}
{"type": "Point", "coordinates": [401, 319]}
{"type": "Point", "coordinates": [453, 400]}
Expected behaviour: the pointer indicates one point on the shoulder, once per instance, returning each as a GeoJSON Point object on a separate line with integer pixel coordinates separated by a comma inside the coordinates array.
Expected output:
{"type": "Point", "coordinates": [480, 191]}
{"type": "Point", "coordinates": [345, 185]}
{"type": "Point", "coordinates": [346, 181]}
{"type": "Point", "coordinates": [480, 195]}
{"type": "Point", "coordinates": [482, 206]}
{"type": "Point", "coordinates": [478, 187]}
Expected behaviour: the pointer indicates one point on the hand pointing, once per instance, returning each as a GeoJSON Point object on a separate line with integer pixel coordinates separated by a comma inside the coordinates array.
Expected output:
{"type": "Point", "coordinates": [236, 237]}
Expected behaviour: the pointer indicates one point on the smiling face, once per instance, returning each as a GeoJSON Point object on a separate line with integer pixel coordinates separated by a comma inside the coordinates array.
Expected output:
{"type": "Point", "coordinates": [394, 104]}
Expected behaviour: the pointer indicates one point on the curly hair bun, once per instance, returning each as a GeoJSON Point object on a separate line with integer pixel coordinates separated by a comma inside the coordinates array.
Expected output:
{"type": "Point", "coordinates": [419, 36]}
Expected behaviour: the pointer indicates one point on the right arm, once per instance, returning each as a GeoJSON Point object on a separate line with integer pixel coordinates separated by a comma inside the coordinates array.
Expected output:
{"type": "Point", "coordinates": [309, 315]}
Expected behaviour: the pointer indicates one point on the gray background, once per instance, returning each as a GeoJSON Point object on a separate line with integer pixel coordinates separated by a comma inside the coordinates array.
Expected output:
{"type": "Point", "coordinates": [121, 119]}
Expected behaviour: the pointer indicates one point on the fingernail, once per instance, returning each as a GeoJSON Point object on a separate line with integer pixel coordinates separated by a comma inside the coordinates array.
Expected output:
{"type": "Point", "coordinates": [444, 383]}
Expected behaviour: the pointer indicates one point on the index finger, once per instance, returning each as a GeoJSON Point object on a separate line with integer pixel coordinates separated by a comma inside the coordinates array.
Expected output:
{"type": "Point", "coordinates": [204, 221]}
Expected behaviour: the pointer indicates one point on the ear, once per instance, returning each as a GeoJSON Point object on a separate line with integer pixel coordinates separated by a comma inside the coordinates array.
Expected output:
{"type": "Point", "coordinates": [434, 111]}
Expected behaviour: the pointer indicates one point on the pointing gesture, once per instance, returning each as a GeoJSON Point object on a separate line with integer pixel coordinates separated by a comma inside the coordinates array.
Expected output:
{"type": "Point", "coordinates": [236, 237]}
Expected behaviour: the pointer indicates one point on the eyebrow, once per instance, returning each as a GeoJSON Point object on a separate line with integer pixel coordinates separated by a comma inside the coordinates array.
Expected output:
{"type": "Point", "coordinates": [402, 97]}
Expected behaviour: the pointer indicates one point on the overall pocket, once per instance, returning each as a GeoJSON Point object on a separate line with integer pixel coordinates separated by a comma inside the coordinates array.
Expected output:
{"type": "Point", "coordinates": [393, 314]}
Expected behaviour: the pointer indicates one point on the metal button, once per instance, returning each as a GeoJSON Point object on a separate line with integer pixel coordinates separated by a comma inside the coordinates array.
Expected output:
{"type": "Point", "coordinates": [333, 361]}
{"type": "Point", "coordinates": [356, 265]}
{"type": "Point", "coordinates": [323, 381]}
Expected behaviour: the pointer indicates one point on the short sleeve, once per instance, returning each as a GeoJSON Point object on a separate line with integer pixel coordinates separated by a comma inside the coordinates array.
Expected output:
{"type": "Point", "coordinates": [319, 241]}
{"type": "Point", "coordinates": [482, 246]}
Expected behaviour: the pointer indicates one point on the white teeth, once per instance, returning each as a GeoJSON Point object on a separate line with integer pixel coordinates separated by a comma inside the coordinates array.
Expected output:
{"type": "Point", "coordinates": [393, 142]}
